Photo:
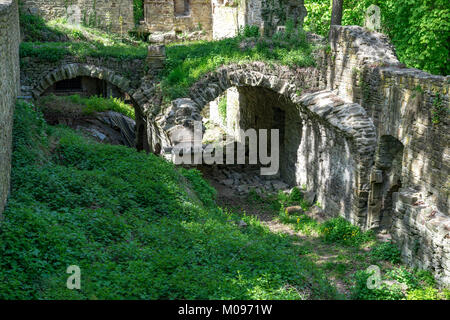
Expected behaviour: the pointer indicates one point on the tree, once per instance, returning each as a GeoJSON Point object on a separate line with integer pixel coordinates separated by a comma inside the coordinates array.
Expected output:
{"type": "Point", "coordinates": [336, 13]}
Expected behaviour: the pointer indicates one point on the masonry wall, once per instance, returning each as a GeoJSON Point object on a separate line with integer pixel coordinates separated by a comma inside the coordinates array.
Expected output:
{"type": "Point", "coordinates": [9, 88]}
{"type": "Point", "coordinates": [34, 70]}
{"type": "Point", "coordinates": [161, 16]}
{"type": "Point", "coordinates": [411, 107]}
{"type": "Point", "coordinates": [313, 154]}
{"type": "Point", "coordinates": [229, 16]}
{"type": "Point", "coordinates": [106, 14]}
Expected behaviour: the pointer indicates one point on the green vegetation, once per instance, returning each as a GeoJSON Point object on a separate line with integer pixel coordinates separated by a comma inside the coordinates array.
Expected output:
{"type": "Point", "coordinates": [339, 230]}
{"type": "Point", "coordinates": [223, 108]}
{"type": "Point", "coordinates": [137, 227]}
{"type": "Point", "coordinates": [399, 283]}
{"type": "Point", "coordinates": [343, 252]}
{"type": "Point", "coordinates": [439, 111]}
{"type": "Point", "coordinates": [55, 51]}
{"type": "Point", "coordinates": [336, 230]}
{"type": "Point", "coordinates": [138, 11]}
{"type": "Point", "coordinates": [419, 29]}
{"type": "Point", "coordinates": [187, 62]}
{"type": "Point", "coordinates": [75, 104]}
{"type": "Point", "coordinates": [54, 40]}
{"type": "Point", "coordinates": [34, 28]}
{"type": "Point", "coordinates": [386, 251]}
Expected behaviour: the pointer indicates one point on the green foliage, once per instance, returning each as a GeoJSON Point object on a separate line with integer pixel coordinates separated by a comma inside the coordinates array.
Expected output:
{"type": "Point", "coordinates": [405, 284]}
{"type": "Point", "coordinates": [414, 279]}
{"type": "Point", "coordinates": [439, 111]}
{"type": "Point", "coordinates": [138, 11]}
{"type": "Point", "coordinates": [56, 51]}
{"type": "Point", "coordinates": [86, 105]}
{"type": "Point", "coordinates": [428, 293]}
{"type": "Point", "coordinates": [223, 108]}
{"type": "Point", "coordinates": [187, 62]}
{"type": "Point", "coordinates": [129, 221]}
{"type": "Point", "coordinates": [342, 231]}
{"type": "Point", "coordinates": [249, 31]}
{"type": "Point", "coordinates": [206, 193]}
{"type": "Point", "coordinates": [295, 195]}
{"type": "Point", "coordinates": [386, 251]}
{"type": "Point", "coordinates": [52, 41]}
{"type": "Point", "coordinates": [360, 291]}
{"type": "Point", "coordinates": [34, 28]}
{"type": "Point", "coordinates": [418, 29]}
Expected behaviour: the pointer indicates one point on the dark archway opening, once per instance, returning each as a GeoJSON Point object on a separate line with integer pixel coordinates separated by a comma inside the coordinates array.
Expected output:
{"type": "Point", "coordinates": [107, 126]}
{"type": "Point", "coordinates": [245, 108]}
{"type": "Point", "coordinates": [385, 181]}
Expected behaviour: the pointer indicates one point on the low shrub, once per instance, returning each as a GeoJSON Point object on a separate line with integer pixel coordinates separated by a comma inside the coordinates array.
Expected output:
{"type": "Point", "coordinates": [342, 231]}
{"type": "Point", "coordinates": [386, 251]}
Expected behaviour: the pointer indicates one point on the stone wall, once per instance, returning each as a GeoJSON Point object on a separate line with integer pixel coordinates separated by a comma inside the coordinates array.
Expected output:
{"type": "Point", "coordinates": [230, 16]}
{"type": "Point", "coordinates": [220, 18]}
{"type": "Point", "coordinates": [410, 186]}
{"type": "Point", "coordinates": [34, 71]}
{"type": "Point", "coordinates": [9, 88]}
{"type": "Point", "coordinates": [114, 15]}
{"type": "Point", "coordinates": [374, 145]}
{"type": "Point", "coordinates": [161, 16]}
{"type": "Point", "coordinates": [227, 18]}
{"type": "Point", "coordinates": [328, 145]}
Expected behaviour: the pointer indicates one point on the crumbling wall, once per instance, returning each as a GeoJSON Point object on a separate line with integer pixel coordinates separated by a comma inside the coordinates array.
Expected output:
{"type": "Point", "coordinates": [162, 16]}
{"type": "Point", "coordinates": [9, 88]}
{"type": "Point", "coordinates": [35, 70]}
{"type": "Point", "coordinates": [228, 17]}
{"type": "Point", "coordinates": [329, 149]}
{"type": "Point", "coordinates": [411, 107]}
{"type": "Point", "coordinates": [114, 15]}
{"type": "Point", "coordinates": [231, 15]}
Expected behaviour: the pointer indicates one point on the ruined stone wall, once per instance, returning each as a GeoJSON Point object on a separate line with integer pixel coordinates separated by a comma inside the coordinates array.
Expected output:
{"type": "Point", "coordinates": [34, 71]}
{"type": "Point", "coordinates": [312, 153]}
{"type": "Point", "coordinates": [161, 16]}
{"type": "Point", "coordinates": [328, 144]}
{"type": "Point", "coordinates": [9, 87]}
{"type": "Point", "coordinates": [410, 108]}
{"type": "Point", "coordinates": [229, 16]}
{"type": "Point", "coordinates": [114, 15]}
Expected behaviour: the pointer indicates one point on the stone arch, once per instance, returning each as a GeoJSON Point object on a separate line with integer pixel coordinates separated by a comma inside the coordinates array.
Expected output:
{"type": "Point", "coordinates": [70, 71]}
{"type": "Point", "coordinates": [345, 122]}
{"type": "Point", "coordinates": [73, 70]}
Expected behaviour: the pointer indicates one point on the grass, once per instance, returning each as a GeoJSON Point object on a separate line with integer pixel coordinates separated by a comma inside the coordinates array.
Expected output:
{"type": "Point", "coordinates": [52, 41]}
{"type": "Point", "coordinates": [136, 226]}
{"type": "Point", "coordinates": [56, 51]}
{"type": "Point", "coordinates": [344, 252]}
{"type": "Point", "coordinates": [75, 104]}
{"type": "Point", "coordinates": [186, 62]}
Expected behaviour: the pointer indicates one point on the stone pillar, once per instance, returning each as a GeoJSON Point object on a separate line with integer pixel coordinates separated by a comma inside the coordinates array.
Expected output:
{"type": "Point", "coordinates": [156, 56]}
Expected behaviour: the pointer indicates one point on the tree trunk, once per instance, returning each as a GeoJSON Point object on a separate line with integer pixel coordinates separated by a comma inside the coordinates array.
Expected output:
{"type": "Point", "coordinates": [336, 13]}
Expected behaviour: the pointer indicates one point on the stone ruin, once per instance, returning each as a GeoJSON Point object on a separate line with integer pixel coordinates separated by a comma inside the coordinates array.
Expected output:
{"type": "Point", "coordinates": [358, 127]}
